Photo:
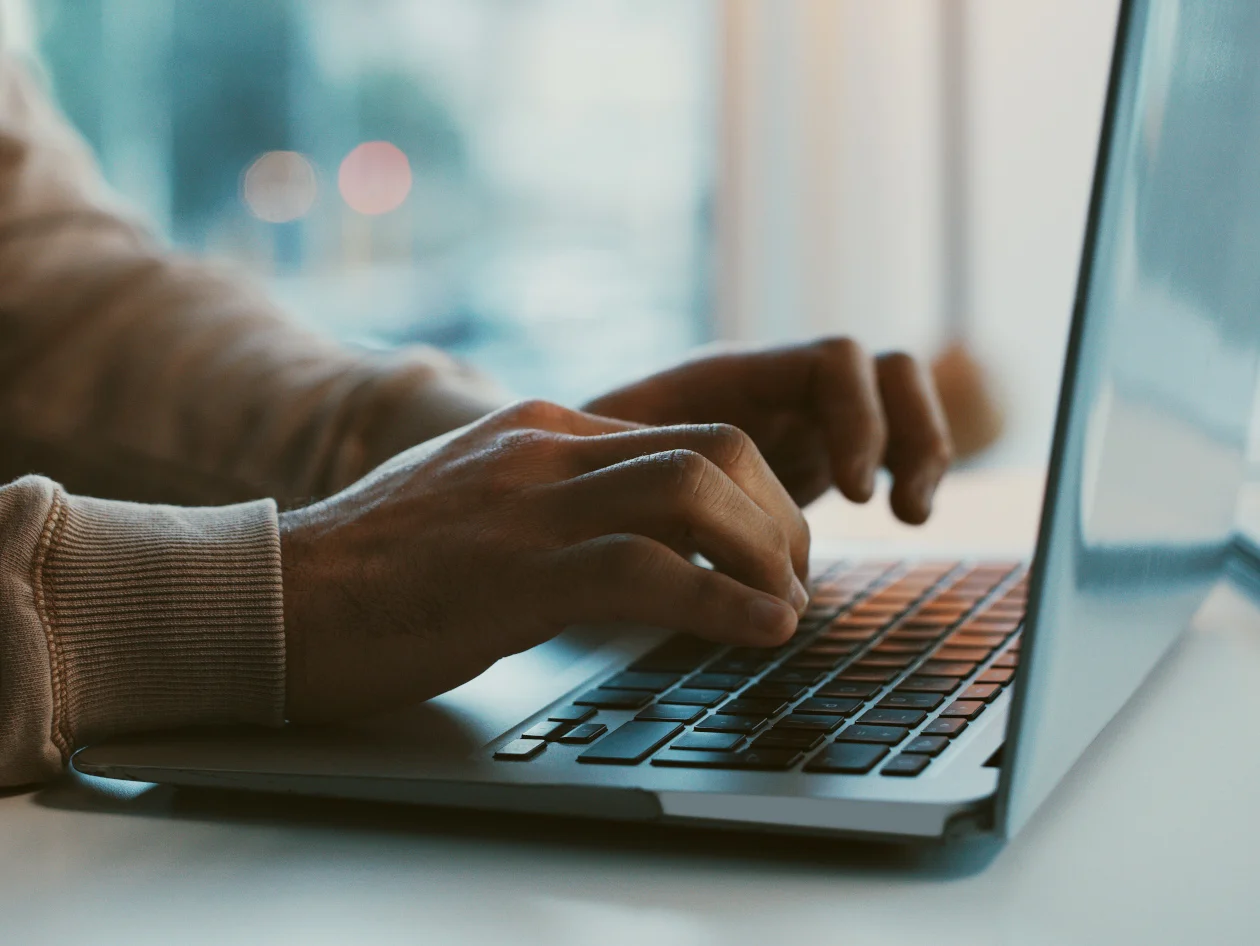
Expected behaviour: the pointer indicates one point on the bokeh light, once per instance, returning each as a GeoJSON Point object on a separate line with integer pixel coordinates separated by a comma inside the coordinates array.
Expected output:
{"type": "Point", "coordinates": [375, 178]}
{"type": "Point", "coordinates": [279, 186]}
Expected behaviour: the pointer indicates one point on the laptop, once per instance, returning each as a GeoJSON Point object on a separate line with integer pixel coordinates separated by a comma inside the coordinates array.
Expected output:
{"type": "Point", "coordinates": [919, 699]}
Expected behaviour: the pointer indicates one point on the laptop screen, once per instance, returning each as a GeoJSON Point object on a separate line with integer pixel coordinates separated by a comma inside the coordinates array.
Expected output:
{"type": "Point", "coordinates": [1150, 443]}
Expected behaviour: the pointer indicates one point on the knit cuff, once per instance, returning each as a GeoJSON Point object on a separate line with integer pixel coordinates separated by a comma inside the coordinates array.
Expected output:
{"type": "Point", "coordinates": [160, 616]}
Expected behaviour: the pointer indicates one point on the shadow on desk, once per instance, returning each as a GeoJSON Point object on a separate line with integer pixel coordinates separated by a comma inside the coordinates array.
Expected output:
{"type": "Point", "coordinates": [953, 861]}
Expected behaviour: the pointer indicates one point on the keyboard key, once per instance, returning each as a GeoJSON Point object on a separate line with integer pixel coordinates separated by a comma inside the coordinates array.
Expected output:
{"type": "Point", "coordinates": [582, 734]}
{"type": "Point", "coordinates": [631, 680]}
{"type": "Point", "coordinates": [920, 701]}
{"type": "Point", "coordinates": [708, 741]}
{"type": "Point", "coordinates": [777, 738]}
{"type": "Point", "coordinates": [962, 653]}
{"type": "Point", "coordinates": [721, 723]}
{"type": "Point", "coordinates": [981, 691]}
{"type": "Point", "coordinates": [967, 709]}
{"type": "Point", "coordinates": [769, 758]}
{"type": "Point", "coordinates": [890, 661]}
{"type": "Point", "coordinates": [828, 706]}
{"type": "Point", "coordinates": [857, 674]}
{"type": "Point", "coordinates": [674, 714]}
{"type": "Point", "coordinates": [926, 628]}
{"type": "Point", "coordinates": [854, 636]}
{"type": "Point", "coordinates": [680, 654]}
{"type": "Point", "coordinates": [546, 730]}
{"type": "Point", "coordinates": [571, 714]}
{"type": "Point", "coordinates": [899, 648]}
{"type": "Point", "coordinates": [716, 681]}
{"type": "Point", "coordinates": [737, 665]}
{"type": "Point", "coordinates": [829, 648]}
{"type": "Point", "coordinates": [906, 766]}
{"type": "Point", "coordinates": [630, 743]}
{"type": "Point", "coordinates": [800, 677]}
{"type": "Point", "coordinates": [690, 697]}
{"type": "Point", "coordinates": [763, 709]}
{"type": "Point", "coordinates": [927, 745]}
{"type": "Point", "coordinates": [947, 668]}
{"type": "Point", "coordinates": [691, 759]}
{"type": "Point", "coordinates": [847, 758]}
{"type": "Point", "coordinates": [774, 691]}
{"type": "Point", "coordinates": [808, 662]}
{"type": "Point", "coordinates": [921, 684]}
{"type": "Point", "coordinates": [809, 723]}
{"type": "Point", "coordinates": [519, 750]}
{"type": "Point", "coordinates": [945, 727]}
{"type": "Point", "coordinates": [1010, 659]}
{"type": "Point", "coordinates": [748, 759]}
{"type": "Point", "coordinates": [854, 689]}
{"type": "Point", "coordinates": [886, 735]}
{"type": "Point", "coordinates": [614, 699]}
{"type": "Point", "coordinates": [999, 675]}
{"type": "Point", "coordinates": [893, 717]}
{"type": "Point", "coordinates": [913, 631]}
{"type": "Point", "coordinates": [963, 639]}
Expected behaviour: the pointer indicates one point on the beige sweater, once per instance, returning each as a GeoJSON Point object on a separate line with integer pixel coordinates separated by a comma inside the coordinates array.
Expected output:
{"type": "Point", "coordinates": [129, 374]}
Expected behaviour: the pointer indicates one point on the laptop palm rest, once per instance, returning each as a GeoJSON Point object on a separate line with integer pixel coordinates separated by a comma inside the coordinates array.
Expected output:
{"type": "Point", "coordinates": [447, 729]}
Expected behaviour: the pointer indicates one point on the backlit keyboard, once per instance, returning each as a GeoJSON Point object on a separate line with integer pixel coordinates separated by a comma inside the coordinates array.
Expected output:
{"type": "Point", "coordinates": [890, 662]}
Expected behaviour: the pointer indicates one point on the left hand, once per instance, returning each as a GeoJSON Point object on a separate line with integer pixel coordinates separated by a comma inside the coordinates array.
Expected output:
{"type": "Point", "coordinates": [821, 413]}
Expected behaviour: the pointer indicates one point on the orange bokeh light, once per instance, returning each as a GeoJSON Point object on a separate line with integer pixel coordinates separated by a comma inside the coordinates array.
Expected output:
{"type": "Point", "coordinates": [374, 178]}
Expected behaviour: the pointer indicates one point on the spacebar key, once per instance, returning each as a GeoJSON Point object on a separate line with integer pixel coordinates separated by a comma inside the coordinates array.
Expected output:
{"type": "Point", "coordinates": [630, 744]}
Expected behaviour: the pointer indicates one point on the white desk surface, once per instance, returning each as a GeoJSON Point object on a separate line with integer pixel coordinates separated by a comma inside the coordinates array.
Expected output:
{"type": "Point", "coordinates": [1152, 839]}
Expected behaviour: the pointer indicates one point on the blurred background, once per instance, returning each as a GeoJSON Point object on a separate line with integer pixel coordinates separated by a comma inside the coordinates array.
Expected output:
{"type": "Point", "coordinates": [570, 193]}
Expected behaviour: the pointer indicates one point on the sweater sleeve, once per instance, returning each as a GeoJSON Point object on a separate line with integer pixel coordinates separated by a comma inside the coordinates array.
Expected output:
{"type": "Point", "coordinates": [131, 372]}
{"type": "Point", "coordinates": [117, 617]}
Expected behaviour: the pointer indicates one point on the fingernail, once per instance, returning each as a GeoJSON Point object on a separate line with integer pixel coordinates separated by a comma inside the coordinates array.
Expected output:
{"type": "Point", "coordinates": [927, 494]}
{"type": "Point", "coordinates": [864, 477]}
{"type": "Point", "coordinates": [770, 617]}
{"type": "Point", "coordinates": [800, 596]}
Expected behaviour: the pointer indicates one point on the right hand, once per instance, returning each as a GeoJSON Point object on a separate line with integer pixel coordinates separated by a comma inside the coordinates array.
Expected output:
{"type": "Point", "coordinates": [454, 554]}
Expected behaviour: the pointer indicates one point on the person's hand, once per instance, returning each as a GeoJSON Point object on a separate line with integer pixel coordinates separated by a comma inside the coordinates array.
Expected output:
{"type": "Point", "coordinates": [496, 537]}
{"type": "Point", "coordinates": [823, 413]}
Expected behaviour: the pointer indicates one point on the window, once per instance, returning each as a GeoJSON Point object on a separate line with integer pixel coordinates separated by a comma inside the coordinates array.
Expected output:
{"type": "Point", "coordinates": [524, 183]}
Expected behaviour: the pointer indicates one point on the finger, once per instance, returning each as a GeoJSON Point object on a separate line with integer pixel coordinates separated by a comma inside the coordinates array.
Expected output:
{"type": "Point", "coordinates": [634, 579]}
{"type": "Point", "coordinates": [683, 500]}
{"type": "Point", "coordinates": [844, 393]}
{"type": "Point", "coordinates": [919, 450]}
{"type": "Point", "coordinates": [728, 448]}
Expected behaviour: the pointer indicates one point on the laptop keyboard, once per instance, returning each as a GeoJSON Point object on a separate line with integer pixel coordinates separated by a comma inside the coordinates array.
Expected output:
{"type": "Point", "coordinates": [890, 662]}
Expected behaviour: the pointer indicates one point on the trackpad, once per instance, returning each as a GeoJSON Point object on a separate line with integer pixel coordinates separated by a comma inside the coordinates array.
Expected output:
{"type": "Point", "coordinates": [472, 715]}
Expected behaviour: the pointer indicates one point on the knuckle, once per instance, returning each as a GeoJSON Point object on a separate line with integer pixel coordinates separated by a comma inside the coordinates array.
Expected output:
{"type": "Point", "coordinates": [940, 453]}
{"type": "Point", "coordinates": [517, 442]}
{"type": "Point", "coordinates": [840, 348]}
{"type": "Point", "coordinates": [631, 554]}
{"type": "Point", "coordinates": [535, 412]}
{"type": "Point", "coordinates": [729, 444]}
{"type": "Point", "coordinates": [780, 541]}
{"type": "Point", "coordinates": [523, 453]}
{"type": "Point", "coordinates": [899, 361]}
{"type": "Point", "coordinates": [686, 471]}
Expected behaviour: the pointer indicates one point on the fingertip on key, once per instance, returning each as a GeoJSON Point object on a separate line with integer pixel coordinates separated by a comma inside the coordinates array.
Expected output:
{"type": "Point", "coordinates": [800, 596]}
{"type": "Point", "coordinates": [861, 480]}
{"type": "Point", "coordinates": [771, 620]}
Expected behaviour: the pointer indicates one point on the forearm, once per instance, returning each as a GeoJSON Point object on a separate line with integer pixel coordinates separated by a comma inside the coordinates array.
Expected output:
{"type": "Point", "coordinates": [127, 371]}
{"type": "Point", "coordinates": [117, 618]}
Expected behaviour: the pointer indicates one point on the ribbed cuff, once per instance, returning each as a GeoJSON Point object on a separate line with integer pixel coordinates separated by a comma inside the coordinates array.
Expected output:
{"type": "Point", "coordinates": [161, 616]}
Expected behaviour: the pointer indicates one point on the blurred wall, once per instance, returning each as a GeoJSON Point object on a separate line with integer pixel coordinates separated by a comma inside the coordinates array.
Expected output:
{"type": "Point", "coordinates": [829, 209]}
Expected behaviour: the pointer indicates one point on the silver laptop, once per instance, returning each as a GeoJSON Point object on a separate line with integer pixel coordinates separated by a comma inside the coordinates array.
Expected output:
{"type": "Point", "coordinates": [918, 699]}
